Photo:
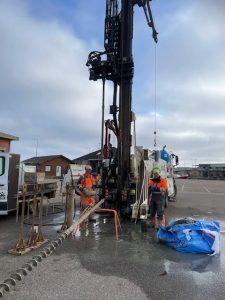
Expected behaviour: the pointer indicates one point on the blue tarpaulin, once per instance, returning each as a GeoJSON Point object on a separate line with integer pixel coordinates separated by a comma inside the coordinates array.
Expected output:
{"type": "Point", "coordinates": [195, 236]}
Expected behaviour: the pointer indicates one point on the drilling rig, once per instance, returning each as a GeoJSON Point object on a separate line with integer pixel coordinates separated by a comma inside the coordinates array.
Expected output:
{"type": "Point", "coordinates": [120, 185]}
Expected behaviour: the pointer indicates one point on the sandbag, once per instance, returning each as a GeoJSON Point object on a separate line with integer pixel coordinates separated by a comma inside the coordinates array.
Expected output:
{"type": "Point", "coordinates": [191, 236]}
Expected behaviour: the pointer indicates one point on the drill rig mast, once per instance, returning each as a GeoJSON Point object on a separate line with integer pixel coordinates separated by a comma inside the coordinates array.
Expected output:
{"type": "Point", "coordinates": [116, 64]}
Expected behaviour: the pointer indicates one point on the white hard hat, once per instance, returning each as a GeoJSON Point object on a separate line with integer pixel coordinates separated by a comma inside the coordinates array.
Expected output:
{"type": "Point", "coordinates": [88, 167]}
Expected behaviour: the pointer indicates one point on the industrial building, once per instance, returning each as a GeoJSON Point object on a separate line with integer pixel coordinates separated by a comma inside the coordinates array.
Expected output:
{"type": "Point", "coordinates": [203, 171]}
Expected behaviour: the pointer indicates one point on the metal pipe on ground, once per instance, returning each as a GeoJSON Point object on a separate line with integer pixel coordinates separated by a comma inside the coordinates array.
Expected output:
{"type": "Point", "coordinates": [8, 283]}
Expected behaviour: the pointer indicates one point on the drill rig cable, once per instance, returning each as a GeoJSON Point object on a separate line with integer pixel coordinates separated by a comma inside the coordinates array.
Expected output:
{"type": "Point", "coordinates": [155, 100]}
{"type": "Point", "coordinates": [150, 21]}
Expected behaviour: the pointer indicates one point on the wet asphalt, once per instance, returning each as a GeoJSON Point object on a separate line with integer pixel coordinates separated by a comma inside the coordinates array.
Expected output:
{"type": "Point", "coordinates": [93, 265]}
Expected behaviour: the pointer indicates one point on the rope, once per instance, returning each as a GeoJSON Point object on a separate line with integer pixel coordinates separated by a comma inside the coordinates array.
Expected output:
{"type": "Point", "coordinates": [155, 101]}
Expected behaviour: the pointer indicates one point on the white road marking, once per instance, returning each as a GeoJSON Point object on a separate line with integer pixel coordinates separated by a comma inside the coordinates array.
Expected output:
{"type": "Point", "coordinates": [182, 189]}
{"type": "Point", "coordinates": [204, 193]}
{"type": "Point", "coordinates": [205, 188]}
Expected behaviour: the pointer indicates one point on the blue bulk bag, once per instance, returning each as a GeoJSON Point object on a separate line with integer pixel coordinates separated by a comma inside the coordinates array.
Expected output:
{"type": "Point", "coordinates": [191, 236]}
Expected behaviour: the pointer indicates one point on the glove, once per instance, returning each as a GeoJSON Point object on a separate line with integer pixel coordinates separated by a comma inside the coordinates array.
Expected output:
{"type": "Point", "coordinates": [81, 188]}
{"type": "Point", "coordinates": [153, 188]}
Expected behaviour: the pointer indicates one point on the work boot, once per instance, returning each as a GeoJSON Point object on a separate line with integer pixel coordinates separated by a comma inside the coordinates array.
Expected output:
{"type": "Point", "coordinates": [162, 221]}
{"type": "Point", "coordinates": [156, 223]}
{"type": "Point", "coordinates": [151, 223]}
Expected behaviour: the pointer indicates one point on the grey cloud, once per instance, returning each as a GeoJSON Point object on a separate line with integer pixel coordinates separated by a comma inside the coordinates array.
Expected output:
{"type": "Point", "coordinates": [44, 86]}
{"type": "Point", "coordinates": [45, 91]}
{"type": "Point", "coordinates": [190, 83]}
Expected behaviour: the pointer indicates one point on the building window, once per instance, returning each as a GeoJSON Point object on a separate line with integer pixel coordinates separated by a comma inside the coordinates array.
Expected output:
{"type": "Point", "coordinates": [58, 171]}
{"type": "Point", "coordinates": [2, 165]}
{"type": "Point", "coordinates": [48, 168]}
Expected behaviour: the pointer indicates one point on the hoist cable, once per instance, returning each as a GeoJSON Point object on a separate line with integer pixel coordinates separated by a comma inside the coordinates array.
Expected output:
{"type": "Point", "coordinates": [155, 100]}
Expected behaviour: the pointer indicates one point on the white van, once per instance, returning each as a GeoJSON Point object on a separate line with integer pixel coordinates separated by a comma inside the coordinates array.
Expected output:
{"type": "Point", "coordinates": [9, 174]}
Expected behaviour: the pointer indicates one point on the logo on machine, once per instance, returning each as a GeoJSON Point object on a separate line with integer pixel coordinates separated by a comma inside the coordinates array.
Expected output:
{"type": "Point", "coordinates": [2, 196]}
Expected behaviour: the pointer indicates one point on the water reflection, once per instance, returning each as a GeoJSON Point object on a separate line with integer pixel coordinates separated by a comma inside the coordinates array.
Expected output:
{"type": "Point", "coordinates": [98, 238]}
{"type": "Point", "coordinates": [200, 264]}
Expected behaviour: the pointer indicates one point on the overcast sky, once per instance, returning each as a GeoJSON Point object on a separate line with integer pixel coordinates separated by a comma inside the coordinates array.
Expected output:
{"type": "Point", "coordinates": [48, 101]}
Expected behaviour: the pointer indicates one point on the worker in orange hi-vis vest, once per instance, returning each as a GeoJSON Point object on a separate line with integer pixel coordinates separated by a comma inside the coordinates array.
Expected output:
{"type": "Point", "coordinates": [87, 184]}
{"type": "Point", "coordinates": [157, 188]}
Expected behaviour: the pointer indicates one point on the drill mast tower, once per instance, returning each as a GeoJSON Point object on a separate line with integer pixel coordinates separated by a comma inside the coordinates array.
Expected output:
{"type": "Point", "coordinates": [116, 64]}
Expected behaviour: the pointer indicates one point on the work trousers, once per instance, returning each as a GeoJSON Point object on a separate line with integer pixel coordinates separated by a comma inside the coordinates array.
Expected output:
{"type": "Point", "coordinates": [156, 206]}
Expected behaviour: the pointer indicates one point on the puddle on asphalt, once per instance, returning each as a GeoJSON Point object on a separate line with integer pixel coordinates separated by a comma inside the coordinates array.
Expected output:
{"type": "Point", "coordinates": [136, 256]}
{"type": "Point", "coordinates": [138, 247]}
